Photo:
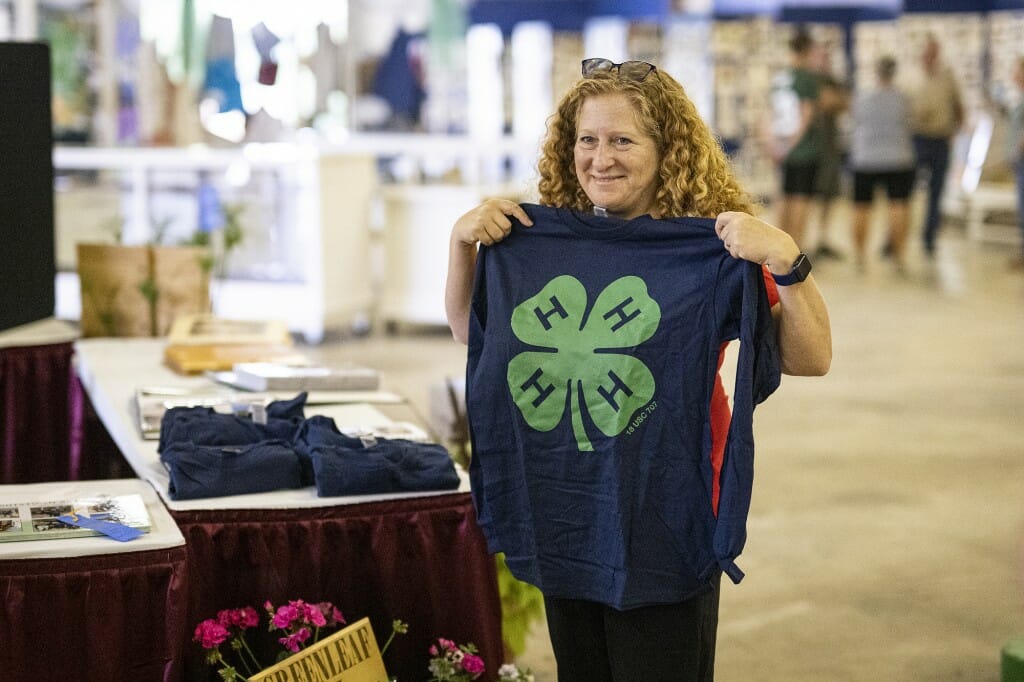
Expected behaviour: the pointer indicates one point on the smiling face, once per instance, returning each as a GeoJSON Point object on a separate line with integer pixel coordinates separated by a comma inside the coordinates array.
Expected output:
{"type": "Point", "coordinates": [616, 161]}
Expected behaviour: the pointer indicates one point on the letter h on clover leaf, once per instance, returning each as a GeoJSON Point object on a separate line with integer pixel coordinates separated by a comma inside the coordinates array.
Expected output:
{"type": "Point", "coordinates": [584, 366]}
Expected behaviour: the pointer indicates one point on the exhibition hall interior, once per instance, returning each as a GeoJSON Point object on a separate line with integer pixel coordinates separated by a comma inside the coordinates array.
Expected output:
{"type": "Point", "coordinates": [237, 430]}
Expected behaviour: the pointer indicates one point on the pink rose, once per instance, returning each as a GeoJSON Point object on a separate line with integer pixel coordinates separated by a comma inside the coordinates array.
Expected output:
{"type": "Point", "coordinates": [210, 634]}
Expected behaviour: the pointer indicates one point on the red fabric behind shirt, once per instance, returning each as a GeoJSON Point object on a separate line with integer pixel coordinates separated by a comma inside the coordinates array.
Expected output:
{"type": "Point", "coordinates": [720, 414]}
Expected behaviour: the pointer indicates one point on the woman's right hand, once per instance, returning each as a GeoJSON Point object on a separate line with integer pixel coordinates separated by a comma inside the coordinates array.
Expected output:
{"type": "Point", "coordinates": [489, 222]}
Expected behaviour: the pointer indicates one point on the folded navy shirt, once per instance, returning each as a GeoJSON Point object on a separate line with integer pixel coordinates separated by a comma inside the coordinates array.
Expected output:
{"type": "Point", "coordinates": [208, 454]}
{"type": "Point", "coordinates": [199, 471]}
{"type": "Point", "coordinates": [318, 430]}
{"type": "Point", "coordinates": [389, 466]}
{"type": "Point", "coordinates": [205, 426]}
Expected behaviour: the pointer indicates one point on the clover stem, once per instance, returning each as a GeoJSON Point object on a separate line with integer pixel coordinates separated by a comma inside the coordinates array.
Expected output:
{"type": "Point", "coordinates": [576, 410]}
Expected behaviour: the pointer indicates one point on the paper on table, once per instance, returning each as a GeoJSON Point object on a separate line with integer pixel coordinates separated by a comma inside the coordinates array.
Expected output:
{"type": "Point", "coordinates": [163, 532]}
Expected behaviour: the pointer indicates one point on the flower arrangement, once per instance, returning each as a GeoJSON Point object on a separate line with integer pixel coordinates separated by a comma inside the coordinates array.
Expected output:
{"type": "Point", "coordinates": [451, 662]}
{"type": "Point", "coordinates": [509, 672]}
{"type": "Point", "coordinates": [299, 624]}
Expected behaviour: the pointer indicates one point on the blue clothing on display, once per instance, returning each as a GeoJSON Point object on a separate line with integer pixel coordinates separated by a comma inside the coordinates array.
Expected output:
{"type": "Point", "coordinates": [318, 431]}
{"type": "Point", "coordinates": [397, 80]}
{"type": "Point", "coordinates": [200, 471]}
{"type": "Point", "coordinates": [593, 353]}
{"type": "Point", "coordinates": [208, 454]}
{"type": "Point", "coordinates": [387, 466]}
{"type": "Point", "coordinates": [221, 80]}
{"type": "Point", "coordinates": [205, 426]}
{"type": "Point", "coordinates": [345, 465]}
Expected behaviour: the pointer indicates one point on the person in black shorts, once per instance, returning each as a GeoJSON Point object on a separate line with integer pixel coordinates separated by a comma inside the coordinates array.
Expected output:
{"type": "Point", "coordinates": [882, 153]}
{"type": "Point", "coordinates": [800, 149]}
{"type": "Point", "coordinates": [833, 99]}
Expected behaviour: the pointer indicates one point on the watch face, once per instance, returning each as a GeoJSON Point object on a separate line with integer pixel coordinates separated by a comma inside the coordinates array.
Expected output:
{"type": "Point", "coordinates": [798, 273]}
{"type": "Point", "coordinates": [801, 268]}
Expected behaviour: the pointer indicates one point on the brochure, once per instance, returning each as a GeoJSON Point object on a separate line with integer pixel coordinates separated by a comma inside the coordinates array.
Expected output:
{"type": "Point", "coordinates": [38, 520]}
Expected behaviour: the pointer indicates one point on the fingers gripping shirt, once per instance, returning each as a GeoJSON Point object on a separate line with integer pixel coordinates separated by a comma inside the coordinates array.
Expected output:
{"type": "Point", "coordinates": [593, 355]}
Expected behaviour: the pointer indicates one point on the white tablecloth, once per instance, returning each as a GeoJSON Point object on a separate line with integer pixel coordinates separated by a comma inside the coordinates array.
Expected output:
{"type": "Point", "coordinates": [163, 533]}
{"type": "Point", "coordinates": [42, 332]}
{"type": "Point", "coordinates": [112, 369]}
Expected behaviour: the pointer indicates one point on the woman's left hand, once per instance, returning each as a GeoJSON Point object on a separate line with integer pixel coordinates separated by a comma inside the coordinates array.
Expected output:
{"type": "Point", "coordinates": [752, 239]}
{"type": "Point", "coordinates": [804, 332]}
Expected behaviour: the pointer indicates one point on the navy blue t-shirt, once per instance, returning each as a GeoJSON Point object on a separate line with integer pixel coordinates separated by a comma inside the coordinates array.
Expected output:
{"type": "Point", "coordinates": [593, 352]}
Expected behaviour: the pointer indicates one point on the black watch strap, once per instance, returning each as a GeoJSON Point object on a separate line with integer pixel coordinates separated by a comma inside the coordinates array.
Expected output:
{"type": "Point", "coordinates": [798, 273]}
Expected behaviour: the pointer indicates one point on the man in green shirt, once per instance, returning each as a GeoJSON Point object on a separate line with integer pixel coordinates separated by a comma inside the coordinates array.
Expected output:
{"type": "Point", "coordinates": [801, 149]}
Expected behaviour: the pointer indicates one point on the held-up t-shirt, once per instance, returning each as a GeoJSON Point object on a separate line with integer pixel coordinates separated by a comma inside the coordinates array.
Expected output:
{"type": "Point", "coordinates": [594, 348]}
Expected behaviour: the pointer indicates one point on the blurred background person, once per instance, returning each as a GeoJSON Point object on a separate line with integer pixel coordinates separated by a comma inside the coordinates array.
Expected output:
{"type": "Point", "coordinates": [937, 114]}
{"type": "Point", "coordinates": [798, 141]}
{"type": "Point", "coordinates": [833, 102]}
{"type": "Point", "coordinates": [882, 154]}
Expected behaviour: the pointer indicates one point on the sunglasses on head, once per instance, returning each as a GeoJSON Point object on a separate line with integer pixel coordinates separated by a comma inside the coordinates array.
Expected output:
{"type": "Point", "coordinates": [632, 70]}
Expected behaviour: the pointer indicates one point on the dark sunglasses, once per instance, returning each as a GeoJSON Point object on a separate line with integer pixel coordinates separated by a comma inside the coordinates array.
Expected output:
{"type": "Point", "coordinates": [632, 70]}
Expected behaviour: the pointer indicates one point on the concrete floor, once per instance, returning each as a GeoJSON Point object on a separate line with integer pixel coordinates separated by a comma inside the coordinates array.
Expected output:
{"type": "Point", "coordinates": [886, 537]}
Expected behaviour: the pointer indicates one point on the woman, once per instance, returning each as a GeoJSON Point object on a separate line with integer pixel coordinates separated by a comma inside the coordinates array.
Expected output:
{"type": "Point", "coordinates": [626, 142]}
{"type": "Point", "coordinates": [882, 154]}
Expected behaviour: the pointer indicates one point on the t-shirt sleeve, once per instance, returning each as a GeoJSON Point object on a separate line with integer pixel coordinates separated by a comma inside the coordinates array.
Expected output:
{"type": "Point", "coordinates": [770, 286]}
{"type": "Point", "coordinates": [757, 376]}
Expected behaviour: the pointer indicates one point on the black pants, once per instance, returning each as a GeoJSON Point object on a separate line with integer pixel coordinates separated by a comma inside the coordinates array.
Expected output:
{"type": "Point", "coordinates": [932, 158]}
{"type": "Point", "coordinates": [663, 643]}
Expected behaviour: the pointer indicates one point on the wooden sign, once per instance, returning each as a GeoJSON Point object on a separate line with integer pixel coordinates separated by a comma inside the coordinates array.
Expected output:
{"type": "Point", "coordinates": [349, 655]}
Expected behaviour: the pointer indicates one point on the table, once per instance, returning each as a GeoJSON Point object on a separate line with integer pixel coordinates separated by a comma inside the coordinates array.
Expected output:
{"type": "Point", "coordinates": [420, 558]}
{"type": "Point", "coordinates": [48, 428]}
{"type": "Point", "coordinates": [36, 403]}
{"type": "Point", "coordinates": [93, 608]}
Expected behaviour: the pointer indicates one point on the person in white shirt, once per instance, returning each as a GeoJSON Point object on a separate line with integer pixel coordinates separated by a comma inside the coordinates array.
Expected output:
{"type": "Point", "coordinates": [936, 115]}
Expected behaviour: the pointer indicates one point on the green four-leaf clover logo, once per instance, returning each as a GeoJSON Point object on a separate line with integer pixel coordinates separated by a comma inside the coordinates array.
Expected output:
{"type": "Point", "coordinates": [580, 365]}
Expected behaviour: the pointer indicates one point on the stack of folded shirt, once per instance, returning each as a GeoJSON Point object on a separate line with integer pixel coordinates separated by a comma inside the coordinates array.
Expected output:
{"type": "Point", "coordinates": [208, 454]}
{"type": "Point", "coordinates": [343, 465]}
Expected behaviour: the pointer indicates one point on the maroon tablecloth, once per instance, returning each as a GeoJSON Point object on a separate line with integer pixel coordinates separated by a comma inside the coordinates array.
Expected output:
{"type": "Point", "coordinates": [38, 395]}
{"type": "Point", "coordinates": [102, 617]}
{"type": "Point", "coordinates": [48, 428]}
{"type": "Point", "coordinates": [421, 560]}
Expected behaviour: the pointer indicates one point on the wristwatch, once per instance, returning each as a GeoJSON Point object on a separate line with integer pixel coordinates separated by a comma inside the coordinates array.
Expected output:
{"type": "Point", "coordinates": [798, 273]}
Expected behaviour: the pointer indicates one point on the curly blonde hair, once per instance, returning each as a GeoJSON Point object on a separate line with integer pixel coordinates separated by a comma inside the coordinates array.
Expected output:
{"type": "Point", "coordinates": [695, 178]}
